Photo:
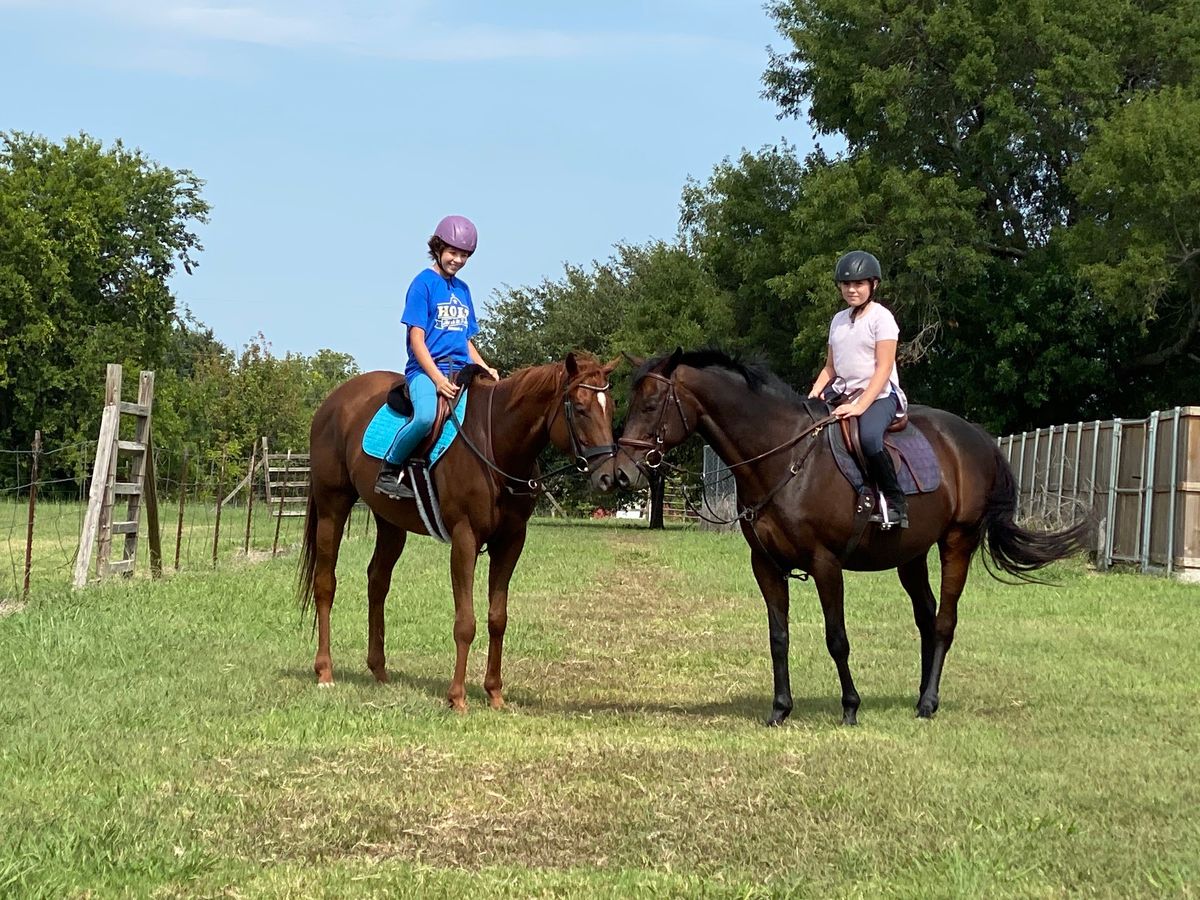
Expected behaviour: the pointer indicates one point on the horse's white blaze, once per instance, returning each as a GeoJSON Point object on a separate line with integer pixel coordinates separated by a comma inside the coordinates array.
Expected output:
{"type": "Point", "coordinates": [603, 402]}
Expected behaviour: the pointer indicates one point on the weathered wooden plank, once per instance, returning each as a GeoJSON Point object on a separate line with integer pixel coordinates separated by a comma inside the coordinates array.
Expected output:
{"type": "Point", "coordinates": [126, 488]}
{"type": "Point", "coordinates": [135, 409]}
{"type": "Point", "coordinates": [99, 487]}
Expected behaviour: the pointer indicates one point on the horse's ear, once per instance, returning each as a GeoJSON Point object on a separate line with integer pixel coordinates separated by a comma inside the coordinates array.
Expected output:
{"type": "Point", "coordinates": [673, 361]}
{"type": "Point", "coordinates": [636, 361]}
{"type": "Point", "coordinates": [608, 367]}
{"type": "Point", "coordinates": [572, 367]}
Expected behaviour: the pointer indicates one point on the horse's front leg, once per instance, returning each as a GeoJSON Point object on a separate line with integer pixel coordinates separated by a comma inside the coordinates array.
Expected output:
{"type": "Point", "coordinates": [464, 549]}
{"type": "Point", "coordinates": [504, 552]}
{"type": "Point", "coordinates": [774, 589]}
{"type": "Point", "coordinates": [827, 573]}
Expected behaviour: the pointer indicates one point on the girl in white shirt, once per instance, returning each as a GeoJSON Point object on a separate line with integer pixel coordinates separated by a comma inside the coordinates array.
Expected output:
{"type": "Point", "coordinates": [862, 355]}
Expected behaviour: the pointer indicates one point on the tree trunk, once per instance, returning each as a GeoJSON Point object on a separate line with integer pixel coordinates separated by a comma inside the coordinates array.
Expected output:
{"type": "Point", "coordinates": [658, 487]}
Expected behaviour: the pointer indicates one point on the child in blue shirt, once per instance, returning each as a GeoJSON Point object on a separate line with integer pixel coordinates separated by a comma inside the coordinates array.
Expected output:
{"type": "Point", "coordinates": [441, 322]}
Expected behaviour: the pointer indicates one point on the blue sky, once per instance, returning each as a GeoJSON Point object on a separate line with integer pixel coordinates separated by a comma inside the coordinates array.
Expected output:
{"type": "Point", "coordinates": [333, 136]}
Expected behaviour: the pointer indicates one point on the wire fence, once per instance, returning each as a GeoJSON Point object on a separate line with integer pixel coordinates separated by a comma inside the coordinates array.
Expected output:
{"type": "Point", "coordinates": [42, 511]}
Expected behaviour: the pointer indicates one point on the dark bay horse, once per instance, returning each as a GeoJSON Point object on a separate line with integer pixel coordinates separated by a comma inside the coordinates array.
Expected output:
{"type": "Point", "coordinates": [486, 482]}
{"type": "Point", "coordinates": [798, 511]}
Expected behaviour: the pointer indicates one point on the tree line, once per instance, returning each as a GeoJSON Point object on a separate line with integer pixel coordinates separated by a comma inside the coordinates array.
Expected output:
{"type": "Point", "coordinates": [1025, 173]}
{"type": "Point", "coordinates": [89, 237]}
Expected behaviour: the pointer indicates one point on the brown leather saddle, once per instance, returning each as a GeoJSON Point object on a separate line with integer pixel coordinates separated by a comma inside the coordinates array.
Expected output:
{"type": "Point", "coordinates": [849, 426]}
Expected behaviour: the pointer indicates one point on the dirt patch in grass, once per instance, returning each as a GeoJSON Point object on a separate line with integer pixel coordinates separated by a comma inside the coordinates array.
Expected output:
{"type": "Point", "coordinates": [10, 607]}
{"type": "Point", "coordinates": [600, 804]}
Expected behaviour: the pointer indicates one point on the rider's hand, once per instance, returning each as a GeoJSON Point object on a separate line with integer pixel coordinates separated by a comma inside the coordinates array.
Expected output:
{"type": "Point", "coordinates": [495, 375]}
{"type": "Point", "coordinates": [846, 410]}
{"type": "Point", "coordinates": [446, 387]}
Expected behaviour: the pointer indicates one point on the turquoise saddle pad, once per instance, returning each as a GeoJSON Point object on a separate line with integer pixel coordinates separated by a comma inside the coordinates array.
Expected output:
{"type": "Point", "coordinates": [381, 431]}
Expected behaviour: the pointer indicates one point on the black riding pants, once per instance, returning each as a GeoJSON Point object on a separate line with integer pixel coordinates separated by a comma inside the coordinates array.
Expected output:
{"type": "Point", "coordinates": [874, 422]}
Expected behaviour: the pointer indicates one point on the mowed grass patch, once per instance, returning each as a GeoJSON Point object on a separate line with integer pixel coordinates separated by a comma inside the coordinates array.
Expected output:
{"type": "Point", "coordinates": [167, 738]}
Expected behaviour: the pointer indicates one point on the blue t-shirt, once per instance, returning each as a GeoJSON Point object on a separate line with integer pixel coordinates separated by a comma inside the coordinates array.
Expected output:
{"type": "Point", "coordinates": [443, 308]}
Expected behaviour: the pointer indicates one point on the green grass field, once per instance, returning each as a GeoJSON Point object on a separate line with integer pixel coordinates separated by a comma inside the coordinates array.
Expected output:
{"type": "Point", "coordinates": [167, 739]}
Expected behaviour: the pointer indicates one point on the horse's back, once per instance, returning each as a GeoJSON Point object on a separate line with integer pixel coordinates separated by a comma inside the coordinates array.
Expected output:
{"type": "Point", "coordinates": [967, 456]}
{"type": "Point", "coordinates": [341, 419]}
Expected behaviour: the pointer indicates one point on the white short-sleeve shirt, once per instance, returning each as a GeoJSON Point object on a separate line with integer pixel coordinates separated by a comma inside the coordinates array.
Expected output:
{"type": "Point", "coordinates": [853, 347]}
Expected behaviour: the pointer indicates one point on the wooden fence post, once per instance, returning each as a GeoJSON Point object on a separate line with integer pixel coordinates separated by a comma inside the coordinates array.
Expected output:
{"type": "Point", "coordinates": [250, 497]}
{"type": "Point", "coordinates": [150, 495]}
{"type": "Point", "coordinates": [220, 503]}
{"type": "Point", "coordinates": [33, 486]}
{"type": "Point", "coordinates": [279, 519]}
{"type": "Point", "coordinates": [183, 469]}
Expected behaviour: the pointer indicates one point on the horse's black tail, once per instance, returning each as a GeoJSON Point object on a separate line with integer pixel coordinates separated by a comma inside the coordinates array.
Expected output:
{"type": "Point", "coordinates": [1016, 550]}
{"type": "Point", "coordinates": [308, 557]}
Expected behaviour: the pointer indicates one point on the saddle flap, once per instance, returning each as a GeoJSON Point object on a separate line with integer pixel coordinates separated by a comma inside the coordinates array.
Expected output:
{"type": "Point", "coordinates": [439, 422]}
{"type": "Point", "coordinates": [398, 399]}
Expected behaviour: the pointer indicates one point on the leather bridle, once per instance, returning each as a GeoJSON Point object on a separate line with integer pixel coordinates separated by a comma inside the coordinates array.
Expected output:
{"type": "Point", "coordinates": [655, 443]}
{"type": "Point", "coordinates": [584, 455]}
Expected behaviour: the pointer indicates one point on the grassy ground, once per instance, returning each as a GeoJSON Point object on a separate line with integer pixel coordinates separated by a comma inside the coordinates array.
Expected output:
{"type": "Point", "coordinates": [56, 539]}
{"type": "Point", "coordinates": [166, 739]}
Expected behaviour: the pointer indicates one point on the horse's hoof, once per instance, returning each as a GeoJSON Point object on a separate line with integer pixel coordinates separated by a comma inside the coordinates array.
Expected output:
{"type": "Point", "coordinates": [850, 718]}
{"type": "Point", "coordinates": [925, 710]}
{"type": "Point", "coordinates": [381, 675]}
{"type": "Point", "coordinates": [775, 720]}
{"type": "Point", "coordinates": [325, 684]}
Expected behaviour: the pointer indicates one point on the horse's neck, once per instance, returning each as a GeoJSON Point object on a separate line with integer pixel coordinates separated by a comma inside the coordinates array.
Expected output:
{"type": "Point", "coordinates": [516, 413]}
{"type": "Point", "coordinates": [740, 423]}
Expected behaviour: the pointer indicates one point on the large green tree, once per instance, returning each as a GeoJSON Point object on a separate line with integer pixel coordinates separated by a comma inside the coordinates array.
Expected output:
{"type": "Point", "coordinates": [89, 237]}
{"type": "Point", "coordinates": [992, 156]}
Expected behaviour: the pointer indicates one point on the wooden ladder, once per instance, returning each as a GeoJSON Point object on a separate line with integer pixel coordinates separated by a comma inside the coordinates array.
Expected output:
{"type": "Point", "coordinates": [137, 489]}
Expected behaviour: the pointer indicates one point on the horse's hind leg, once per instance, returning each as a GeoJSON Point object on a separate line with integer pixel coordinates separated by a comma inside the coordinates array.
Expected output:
{"type": "Point", "coordinates": [914, 576]}
{"type": "Point", "coordinates": [504, 553]}
{"type": "Point", "coordinates": [331, 522]}
{"type": "Point", "coordinates": [956, 549]}
{"type": "Point", "coordinates": [389, 544]}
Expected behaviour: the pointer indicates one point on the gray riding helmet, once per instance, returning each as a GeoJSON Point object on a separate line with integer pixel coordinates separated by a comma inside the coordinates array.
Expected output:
{"type": "Point", "coordinates": [857, 265]}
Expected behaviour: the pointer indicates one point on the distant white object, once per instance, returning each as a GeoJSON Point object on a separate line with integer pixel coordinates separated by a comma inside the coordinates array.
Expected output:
{"type": "Point", "coordinates": [636, 509]}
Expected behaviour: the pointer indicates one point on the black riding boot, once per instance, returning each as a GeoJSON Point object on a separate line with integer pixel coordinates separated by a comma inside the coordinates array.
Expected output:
{"type": "Point", "coordinates": [883, 473]}
{"type": "Point", "coordinates": [390, 482]}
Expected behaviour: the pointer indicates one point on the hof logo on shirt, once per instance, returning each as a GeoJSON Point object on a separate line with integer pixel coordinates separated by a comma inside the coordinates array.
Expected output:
{"type": "Point", "coordinates": [452, 315]}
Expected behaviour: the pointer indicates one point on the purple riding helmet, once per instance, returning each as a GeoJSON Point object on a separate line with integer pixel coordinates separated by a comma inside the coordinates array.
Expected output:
{"type": "Point", "coordinates": [458, 232]}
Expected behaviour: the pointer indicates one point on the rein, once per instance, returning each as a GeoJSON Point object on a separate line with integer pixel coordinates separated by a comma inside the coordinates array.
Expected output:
{"type": "Point", "coordinates": [748, 513]}
{"type": "Point", "coordinates": [534, 486]}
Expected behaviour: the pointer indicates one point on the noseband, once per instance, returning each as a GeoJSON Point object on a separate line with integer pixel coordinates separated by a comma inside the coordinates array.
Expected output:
{"type": "Point", "coordinates": [654, 445]}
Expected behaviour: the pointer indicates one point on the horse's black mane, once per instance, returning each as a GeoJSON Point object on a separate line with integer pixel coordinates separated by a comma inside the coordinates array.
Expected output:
{"type": "Point", "coordinates": [758, 377]}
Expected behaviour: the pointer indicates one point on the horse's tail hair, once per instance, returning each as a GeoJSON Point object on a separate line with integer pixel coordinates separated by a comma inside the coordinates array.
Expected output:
{"type": "Point", "coordinates": [308, 557]}
{"type": "Point", "coordinates": [1016, 550]}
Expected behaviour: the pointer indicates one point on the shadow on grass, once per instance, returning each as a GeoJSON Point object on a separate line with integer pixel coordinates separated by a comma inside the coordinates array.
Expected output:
{"type": "Point", "coordinates": [750, 707]}
{"type": "Point", "coordinates": [745, 707]}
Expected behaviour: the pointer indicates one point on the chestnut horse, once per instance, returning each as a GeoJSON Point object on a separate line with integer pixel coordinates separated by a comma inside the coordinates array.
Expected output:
{"type": "Point", "coordinates": [796, 510]}
{"type": "Point", "coordinates": [487, 483]}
